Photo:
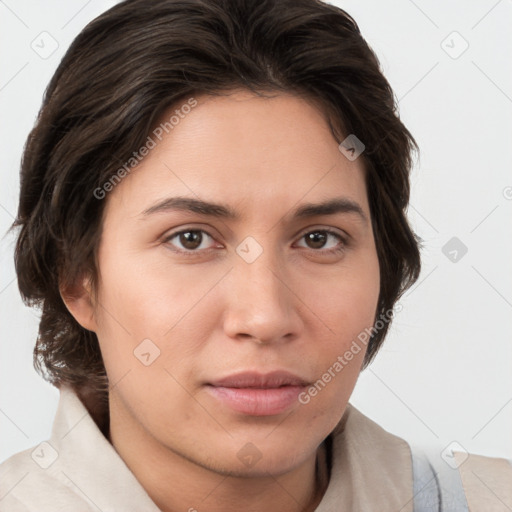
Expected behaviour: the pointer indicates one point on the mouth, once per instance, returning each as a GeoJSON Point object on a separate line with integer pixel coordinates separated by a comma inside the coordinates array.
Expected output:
{"type": "Point", "coordinates": [257, 394]}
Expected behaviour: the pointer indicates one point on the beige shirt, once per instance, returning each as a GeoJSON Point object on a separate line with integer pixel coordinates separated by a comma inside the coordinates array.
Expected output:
{"type": "Point", "coordinates": [78, 470]}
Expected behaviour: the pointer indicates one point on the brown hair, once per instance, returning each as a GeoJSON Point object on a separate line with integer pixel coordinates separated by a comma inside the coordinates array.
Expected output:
{"type": "Point", "coordinates": [133, 62]}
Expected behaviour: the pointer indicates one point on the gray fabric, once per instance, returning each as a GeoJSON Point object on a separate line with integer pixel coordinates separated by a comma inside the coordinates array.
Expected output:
{"type": "Point", "coordinates": [437, 486]}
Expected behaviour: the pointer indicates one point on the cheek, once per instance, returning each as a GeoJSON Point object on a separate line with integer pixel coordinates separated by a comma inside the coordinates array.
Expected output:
{"type": "Point", "coordinates": [347, 300]}
{"type": "Point", "coordinates": [146, 297]}
{"type": "Point", "coordinates": [347, 306]}
{"type": "Point", "coordinates": [143, 294]}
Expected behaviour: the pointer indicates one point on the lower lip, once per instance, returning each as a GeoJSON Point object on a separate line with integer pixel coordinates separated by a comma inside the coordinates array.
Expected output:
{"type": "Point", "coordinates": [257, 401]}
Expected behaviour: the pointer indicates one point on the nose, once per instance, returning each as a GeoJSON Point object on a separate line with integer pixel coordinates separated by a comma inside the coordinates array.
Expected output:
{"type": "Point", "coordinates": [262, 305]}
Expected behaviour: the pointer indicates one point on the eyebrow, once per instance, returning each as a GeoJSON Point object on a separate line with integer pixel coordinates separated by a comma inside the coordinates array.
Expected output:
{"type": "Point", "coordinates": [328, 207]}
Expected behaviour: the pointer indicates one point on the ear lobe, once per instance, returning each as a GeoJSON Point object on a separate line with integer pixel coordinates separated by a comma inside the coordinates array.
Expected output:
{"type": "Point", "coordinates": [78, 299]}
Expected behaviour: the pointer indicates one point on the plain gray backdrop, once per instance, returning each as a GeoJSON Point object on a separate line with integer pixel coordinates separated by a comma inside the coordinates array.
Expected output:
{"type": "Point", "coordinates": [444, 373]}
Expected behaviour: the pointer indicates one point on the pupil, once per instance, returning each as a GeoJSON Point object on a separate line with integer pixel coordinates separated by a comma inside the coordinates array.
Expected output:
{"type": "Point", "coordinates": [317, 239]}
{"type": "Point", "coordinates": [191, 239]}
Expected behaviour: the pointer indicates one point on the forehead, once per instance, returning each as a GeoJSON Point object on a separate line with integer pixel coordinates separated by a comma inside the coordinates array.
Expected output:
{"type": "Point", "coordinates": [258, 153]}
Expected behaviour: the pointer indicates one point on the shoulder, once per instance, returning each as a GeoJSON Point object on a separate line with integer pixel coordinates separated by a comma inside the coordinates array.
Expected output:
{"type": "Point", "coordinates": [433, 479]}
{"type": "Point", "coordinates": [12, 472]}
{"type": "Point", "coordinates": [447, 479]}
{"type": "Point", "coordinates": [487, 481]}
{"type": "Point", "coordinates": [32, 480]}
{"type": "Point", "coordinates": [69, 472]}
{"type": "Point", "coordinates": [43, 478]}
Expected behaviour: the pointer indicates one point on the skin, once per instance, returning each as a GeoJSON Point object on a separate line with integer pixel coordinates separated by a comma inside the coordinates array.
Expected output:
{"type": "Point", "coordinates": [296, 307]}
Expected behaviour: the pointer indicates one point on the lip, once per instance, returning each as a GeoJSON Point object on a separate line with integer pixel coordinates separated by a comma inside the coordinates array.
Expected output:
{"type": "Point", "coordinates": [250, 379]}
{"type": "Point", "coordinates": [257, 394]}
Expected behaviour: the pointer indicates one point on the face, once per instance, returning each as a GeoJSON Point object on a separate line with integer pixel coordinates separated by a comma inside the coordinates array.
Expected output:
{"type": "Point", "coordinates": [215, 321]}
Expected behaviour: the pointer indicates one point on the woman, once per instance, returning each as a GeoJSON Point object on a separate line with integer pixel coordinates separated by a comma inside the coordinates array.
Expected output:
{"type": "Point", "coordinates": [212, 219]}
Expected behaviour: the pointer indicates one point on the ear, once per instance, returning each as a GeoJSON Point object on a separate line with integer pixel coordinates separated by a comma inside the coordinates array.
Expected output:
{"type": "Point", "coordinates": [79, 300]}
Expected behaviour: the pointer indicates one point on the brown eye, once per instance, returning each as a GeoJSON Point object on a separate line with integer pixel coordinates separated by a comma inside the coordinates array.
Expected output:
{"type": "Point", "coordinates": [190, 240]}
{"type": "Point", "coordinates": [325, 239]}
{"type": "Point", "coordinates": [316, 239]}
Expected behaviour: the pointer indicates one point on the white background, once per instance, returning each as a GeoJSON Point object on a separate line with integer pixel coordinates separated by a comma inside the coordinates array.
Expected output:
{"type": "Point", "coordinates": [444, 373]}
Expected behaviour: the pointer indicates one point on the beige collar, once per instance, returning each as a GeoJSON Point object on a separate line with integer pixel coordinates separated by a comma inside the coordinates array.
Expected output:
{"type": "Point", "coordinates": [372, 469]}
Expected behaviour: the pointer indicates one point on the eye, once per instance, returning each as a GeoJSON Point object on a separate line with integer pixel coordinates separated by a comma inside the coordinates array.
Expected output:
{"type": "Point", "coordinates": [319, 239]}
{"type": "Point", "coordinates": [189, 240]}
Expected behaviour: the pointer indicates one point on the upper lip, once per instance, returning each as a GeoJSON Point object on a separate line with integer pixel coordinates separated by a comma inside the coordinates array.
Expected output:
{"type": "Point", "coordinates": [252, 379]}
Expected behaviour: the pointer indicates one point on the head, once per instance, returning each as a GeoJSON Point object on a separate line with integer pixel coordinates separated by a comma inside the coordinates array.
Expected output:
{"type": "Point", "coordinates": [149, 296]}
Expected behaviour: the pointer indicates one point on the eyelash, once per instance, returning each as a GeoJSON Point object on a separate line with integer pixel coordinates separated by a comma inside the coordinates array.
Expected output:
{"type": "Point", "coordinates": [196, 252]}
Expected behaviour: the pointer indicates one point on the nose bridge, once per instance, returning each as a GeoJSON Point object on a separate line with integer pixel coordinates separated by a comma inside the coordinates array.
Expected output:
{"type": "Point", "coordinates": [261, 304]}
{"type": "Point", "coordinates": [259, 279]}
